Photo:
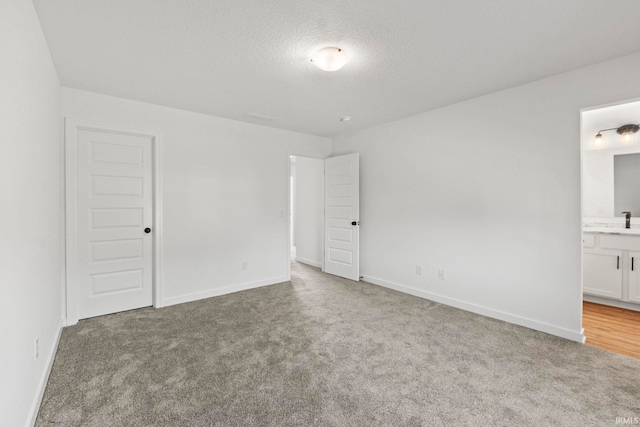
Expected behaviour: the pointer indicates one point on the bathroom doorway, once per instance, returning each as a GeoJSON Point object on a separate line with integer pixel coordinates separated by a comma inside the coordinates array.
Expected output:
{"type": "Point", "coordinates": [610, 151]}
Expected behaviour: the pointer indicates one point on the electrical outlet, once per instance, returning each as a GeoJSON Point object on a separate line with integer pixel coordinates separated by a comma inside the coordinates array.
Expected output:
{"type": "Point", "coordinates": [419, 270]}
{"type": "Point", "coordinates": [243, 265]}
{"type": "Point", "coordinates": [441, 274]}
{"type": "Point", "coordinates": [36, 349]}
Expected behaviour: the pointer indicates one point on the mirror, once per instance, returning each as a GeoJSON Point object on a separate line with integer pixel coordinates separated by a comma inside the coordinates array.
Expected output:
{"type": "Point", "coordinates": [626, 184]}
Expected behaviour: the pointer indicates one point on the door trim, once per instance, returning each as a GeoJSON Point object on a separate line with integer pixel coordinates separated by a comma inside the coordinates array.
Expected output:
{"type": "Point", "coordinates": [72, 126]}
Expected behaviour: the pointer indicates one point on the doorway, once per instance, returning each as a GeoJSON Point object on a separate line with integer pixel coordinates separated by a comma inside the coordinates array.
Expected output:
{"type": "Point", "coordinates": [611, 229]}
{"type": "Point", "coordinates": [306, 210]}
{"type": "Point", "coordinates": [112, 221]}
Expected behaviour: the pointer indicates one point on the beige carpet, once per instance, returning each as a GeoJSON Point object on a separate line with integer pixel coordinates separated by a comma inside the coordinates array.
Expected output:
{"type": "Point", "coordinates": [322, 351]}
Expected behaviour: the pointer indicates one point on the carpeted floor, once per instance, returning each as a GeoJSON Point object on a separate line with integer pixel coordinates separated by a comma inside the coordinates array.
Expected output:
{"type": "Point", "coordinates": [322, 351]}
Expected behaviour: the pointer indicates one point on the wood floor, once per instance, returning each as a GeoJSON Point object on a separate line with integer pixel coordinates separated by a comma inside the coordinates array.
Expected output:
{"type": "Point", "coordinates": [611, 328]}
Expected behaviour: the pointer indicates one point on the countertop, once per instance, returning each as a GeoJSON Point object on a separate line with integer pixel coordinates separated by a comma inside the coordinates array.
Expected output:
{"type": "Point", "coordinates": [611, 230]}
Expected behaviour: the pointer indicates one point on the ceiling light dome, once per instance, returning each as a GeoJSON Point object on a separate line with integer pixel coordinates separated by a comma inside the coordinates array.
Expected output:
{"type": "Point", "coordinates": [329, 58]}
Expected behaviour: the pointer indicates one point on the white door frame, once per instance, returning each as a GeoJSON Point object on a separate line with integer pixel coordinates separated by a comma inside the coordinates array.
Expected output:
{"type": "Point", "coordinates": [72, 126]}
{"type": "Point", "coordinates": [297, 153]}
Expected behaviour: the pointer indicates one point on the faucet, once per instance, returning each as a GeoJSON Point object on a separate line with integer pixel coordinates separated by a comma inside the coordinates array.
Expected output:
{"type": "Point", "coordinates": [627, 219]}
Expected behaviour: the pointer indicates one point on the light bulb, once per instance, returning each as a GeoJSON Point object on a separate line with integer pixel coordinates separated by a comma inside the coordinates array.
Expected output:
{"type": "Point", "coordinates": [626, 132]}
{"type": "Point", "coordinates": [329, 58]}
{"type": "Point", "coordinates": [598, 138]}
{"type": "Point", "coordinates": [627, 137]}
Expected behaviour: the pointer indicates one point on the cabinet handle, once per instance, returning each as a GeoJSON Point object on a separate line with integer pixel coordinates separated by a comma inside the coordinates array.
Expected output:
{"type": "Point", "coordinates": [618, 263]}
{"type": "Point", "coordinates": [631, 263]}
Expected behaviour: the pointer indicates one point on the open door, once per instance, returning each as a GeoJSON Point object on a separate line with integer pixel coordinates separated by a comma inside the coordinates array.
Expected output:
{"type": "Point", "coordinates": [342, 216]}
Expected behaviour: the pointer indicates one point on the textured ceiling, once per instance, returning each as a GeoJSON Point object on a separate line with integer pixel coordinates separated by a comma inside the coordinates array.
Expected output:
{"type": "Point", "coordinates": [233, 57]}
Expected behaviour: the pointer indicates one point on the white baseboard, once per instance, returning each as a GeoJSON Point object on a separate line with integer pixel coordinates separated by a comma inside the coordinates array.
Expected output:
{"type": "Point", "coordinates": [222, 291]}
{"type": "Point", "coordinates": [577, 336]}
{"type": "Point", "coordinates": [611, 302]}
{"type": "Point", "coordinates": [309, 262]}
{"type": "Point", "coordinates": [42, 384]}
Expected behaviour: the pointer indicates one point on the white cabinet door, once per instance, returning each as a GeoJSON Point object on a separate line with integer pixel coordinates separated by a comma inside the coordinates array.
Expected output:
{"type": "Point", "coordinates": [602, 273]}
{"type": "Point", "coordinates": [634, 277]}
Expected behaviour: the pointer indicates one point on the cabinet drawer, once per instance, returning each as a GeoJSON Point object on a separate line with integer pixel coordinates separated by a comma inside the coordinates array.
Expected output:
{"type": "Point", "coordinates": [588, 240]}
{"type": "Point", "coordinates": [625, 243]}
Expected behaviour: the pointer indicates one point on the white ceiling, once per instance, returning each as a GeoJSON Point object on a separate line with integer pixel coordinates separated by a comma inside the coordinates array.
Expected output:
{"type": "Point", "coordinates": [232, 57]}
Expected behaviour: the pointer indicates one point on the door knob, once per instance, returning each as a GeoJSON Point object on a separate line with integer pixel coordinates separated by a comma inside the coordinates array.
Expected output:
{"type": "Point", "coordinates": [354, 223]}
{"type": "Point", "coordinates": [147, 230]}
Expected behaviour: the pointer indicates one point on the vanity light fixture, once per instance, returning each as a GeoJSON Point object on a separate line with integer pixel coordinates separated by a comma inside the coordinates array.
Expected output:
{"type": "Point", "coordinates": [599, 138]}
{"type": "Point", "coordinates": [329, 58]}
{"type": "Point", "coordinates": [625, 131]}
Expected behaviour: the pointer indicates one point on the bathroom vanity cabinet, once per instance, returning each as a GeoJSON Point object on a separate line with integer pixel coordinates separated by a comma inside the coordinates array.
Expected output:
{"type": "Point", "coordinates": [611, 265]}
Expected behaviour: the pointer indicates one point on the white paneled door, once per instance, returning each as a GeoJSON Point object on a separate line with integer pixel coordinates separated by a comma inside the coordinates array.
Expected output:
{"type": "Point", "coordinates": [114, 222]}
{"type": "Point", "coordinates": [342, 216]}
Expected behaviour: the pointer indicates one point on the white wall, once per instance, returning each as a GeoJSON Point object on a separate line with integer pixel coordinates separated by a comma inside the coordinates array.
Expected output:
{"type": "Point", "coordinates": [489, 190]}
{"type": "Point", "coordinates": [30, 213]}
{"type": "Point", "coordinates": [224, 193]}
{"type": "Point", "coordinates": [309, 221]}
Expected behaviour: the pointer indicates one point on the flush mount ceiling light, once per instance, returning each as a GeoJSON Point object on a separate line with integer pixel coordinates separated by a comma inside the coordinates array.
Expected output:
{"type": "Point", "coordinates": [329, 58]}
{"type": "Point", "coordinates": [626, 133]}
